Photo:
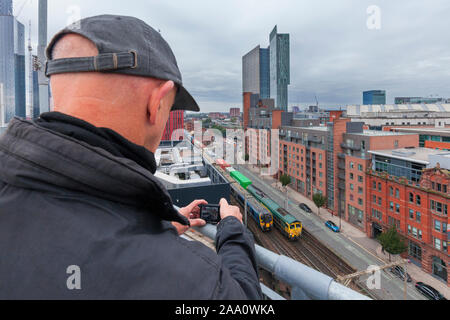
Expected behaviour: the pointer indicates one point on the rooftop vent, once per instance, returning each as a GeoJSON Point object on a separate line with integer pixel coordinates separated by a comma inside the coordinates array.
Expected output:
{"type": "Point", "coordinates": [403, 153]}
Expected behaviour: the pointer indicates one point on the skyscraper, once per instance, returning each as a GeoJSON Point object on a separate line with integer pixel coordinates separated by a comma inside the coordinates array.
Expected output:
{"type": "Point", "coordinates": [12, 62]}
{"type": "Point", "coordinates": [256, 72]}
{"type": "Point", "coordinates": [280, 75]}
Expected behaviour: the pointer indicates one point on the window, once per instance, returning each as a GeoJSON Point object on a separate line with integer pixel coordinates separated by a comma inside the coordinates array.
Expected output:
{"type": "Point", "coordinates": [352, 187]}
{"type": "Point", "coordinates": [360, 167]}
{"type": "Point", "coordinates": [379, 201]}
{"type": "Point", "coordinates": [418, 200]}
{"type": "Point", "coordinates": [380, 187]}
{"type": "Point", "coordinates": [391, 191]}
{"type": "Point", "coordinates": [437, 225]}
{"type": "Point", "coordinates": [360, 202]}
{"type": "Point", "coordinates": [360, 179]}
{"type": "Point", "coordinates": [352, 176]}
{"type": "Point", "coordinates": [391, 206]}
{"type": "Point", "coordinates": [420, 234]}
{"type": "Point", "coordinates": [352, 165]}
{"type": "Point", "coordinates": [374, 185]}
{"type": "Point", "coordinates": [375, 199]}
{"type": "Point", "coordinates": [414, 232]}
{"type": "Point", "coordinates": [418, 217]}
{"type": "Point", "coordinates": [397, 208]}
{"type": "Point", "coordinates": [444, 189]}
{"type": "Point", "coordinates": [360, 190]}
{"type": "Point", "coordinates": [439, 187]}
{"type": "Point", "coordinates": [411, 197]}
{"type": "Point", "coordinates": [411, 214]}
{"type": "Point", "coordinates": [320, 165]}
{"type": "Point", "coordinates": [409, 229]}
{"type": "Point", "coordinates": [437, 244]}
{"type": "Point", "coordinates": [397, 193]}
{"type": "Point", "coordinates": [320, 157]}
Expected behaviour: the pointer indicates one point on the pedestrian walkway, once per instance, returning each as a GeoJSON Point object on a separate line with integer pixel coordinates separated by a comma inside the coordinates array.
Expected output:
{"type": "Point", "coordinates": [357, 236]}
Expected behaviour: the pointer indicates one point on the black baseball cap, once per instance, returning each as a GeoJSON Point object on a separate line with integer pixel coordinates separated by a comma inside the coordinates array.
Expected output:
{"type": "Point", "coordinates": [126, 45]}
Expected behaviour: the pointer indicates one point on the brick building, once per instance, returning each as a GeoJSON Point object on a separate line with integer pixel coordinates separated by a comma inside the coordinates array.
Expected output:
{"type": "Point", "coordinates": [409, 189]}
{"type": "Point", "coordinates": [175, 122]}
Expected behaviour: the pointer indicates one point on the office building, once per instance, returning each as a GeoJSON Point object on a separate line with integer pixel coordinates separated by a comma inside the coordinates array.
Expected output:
{"type": "Point", "coordinates": [256, 72]}
{"type": "Point", "coordinates": [175, 122]}
{"type": "Point", "coordinates": [374, 97]}
{"type": "Point", "coordinates": [420, 100]}
{"type": "Point", "coordinates": [280, 77]}
{"type": "Point", "coordinates": [410, 189]}
{"type": "Point", "coordinates": [12, 63]}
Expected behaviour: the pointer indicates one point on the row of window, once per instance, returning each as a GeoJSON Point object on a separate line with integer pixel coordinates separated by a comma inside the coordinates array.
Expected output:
{"type": "Point", "coordinates": [416, 233]}
{"type": "Point", "coordinates": [440, 245]}
{"type": "Point", "coordinates": [360, 178]}
{"type": "Point", "coordinates": [438, 207]}
{"type": "Point", "coordinates": [360, 167]}
{"type": "Point", "coordinates": [440, 226]}
{"type": "Point", "coordinates": [439, 187]}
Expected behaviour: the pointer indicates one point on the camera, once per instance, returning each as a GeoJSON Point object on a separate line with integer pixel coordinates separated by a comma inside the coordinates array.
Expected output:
{"type": "Point", "coordinates": [210, 213]}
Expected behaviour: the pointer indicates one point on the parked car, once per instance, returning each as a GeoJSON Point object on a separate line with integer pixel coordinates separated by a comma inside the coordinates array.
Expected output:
{"type": "Point", "coordinates": [400, 272]}
{"type": "Point", "coordinates": [429, 292]}
{"type": "Point", "coordinates": [305, 208]}
{"type": "Point", "coordinates": [330, 225]}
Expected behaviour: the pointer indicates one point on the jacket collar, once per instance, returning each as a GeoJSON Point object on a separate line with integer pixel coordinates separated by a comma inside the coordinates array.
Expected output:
{"type": "Point", "coordinates": [40, 159]}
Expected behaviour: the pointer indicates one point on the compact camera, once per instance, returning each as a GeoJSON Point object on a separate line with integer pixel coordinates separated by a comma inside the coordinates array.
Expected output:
{"type": "Point", "coordinates": [210, 213]}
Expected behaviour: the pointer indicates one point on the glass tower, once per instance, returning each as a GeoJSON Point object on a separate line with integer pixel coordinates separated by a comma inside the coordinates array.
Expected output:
{"type": "Point", "coordinates": [280, 77]}
{"type": "Point", "coordinates": [12, 62]}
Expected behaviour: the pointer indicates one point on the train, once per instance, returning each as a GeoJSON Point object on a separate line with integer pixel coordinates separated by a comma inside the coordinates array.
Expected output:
{"type": "Point", "coordinates": [289, 226]}
{"type": "Point", "coordinates": [260, 214]}
{"type": "Point", "coordinates": [266, 212]}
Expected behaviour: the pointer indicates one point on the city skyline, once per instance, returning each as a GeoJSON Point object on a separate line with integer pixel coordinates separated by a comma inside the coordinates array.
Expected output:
{"type": "Point", "coordinates": [333, 53]}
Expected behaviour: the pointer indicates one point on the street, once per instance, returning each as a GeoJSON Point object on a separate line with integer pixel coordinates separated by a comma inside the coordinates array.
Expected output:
{"type": "Point", "coordinates": [392, 288]}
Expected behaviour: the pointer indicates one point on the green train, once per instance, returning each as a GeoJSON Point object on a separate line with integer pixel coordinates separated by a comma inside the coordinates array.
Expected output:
{"type": "Point", "coordinates": [289, 226]}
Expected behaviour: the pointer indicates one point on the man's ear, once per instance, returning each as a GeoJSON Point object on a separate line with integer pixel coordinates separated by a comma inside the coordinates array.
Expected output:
{"type": "Point", "coordinates": [157, 101]}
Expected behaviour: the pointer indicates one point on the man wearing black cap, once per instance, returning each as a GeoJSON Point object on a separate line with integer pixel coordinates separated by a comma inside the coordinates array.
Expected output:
{"type": "Point", "coordinates": [81, 214]}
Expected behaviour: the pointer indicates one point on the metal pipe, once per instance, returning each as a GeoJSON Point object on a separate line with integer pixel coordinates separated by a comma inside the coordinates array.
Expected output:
{"type": "Point", "coordinates": [311, 283]}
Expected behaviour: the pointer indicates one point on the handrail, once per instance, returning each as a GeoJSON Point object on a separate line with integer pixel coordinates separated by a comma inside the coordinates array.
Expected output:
{"type": "Point", "coordinates": [306, 283]}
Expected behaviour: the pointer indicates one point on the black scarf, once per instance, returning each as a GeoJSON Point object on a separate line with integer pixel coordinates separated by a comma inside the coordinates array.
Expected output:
{"type": "Point", "coordinates": [104, 138]}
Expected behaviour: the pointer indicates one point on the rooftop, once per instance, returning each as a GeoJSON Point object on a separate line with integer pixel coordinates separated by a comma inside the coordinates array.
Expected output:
{"type": "Point", "coordinates": [418, 155]}
{"type": "Point", "coordinates": [358, 110]}
{"type": "Point", "coordinates": [380, 133]}
{"type": "Point", "coordinates": [431, 131]}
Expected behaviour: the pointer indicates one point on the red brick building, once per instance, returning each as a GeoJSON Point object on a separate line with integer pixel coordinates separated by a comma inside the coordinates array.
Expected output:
{"type": "Point", "coordinates": [175, 122]}
{"type": "Point", "coordinates": [403, 192]}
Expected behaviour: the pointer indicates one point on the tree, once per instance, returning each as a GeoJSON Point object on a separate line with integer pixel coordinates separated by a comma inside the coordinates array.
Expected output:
{"type": "Point", "coordinates": [285, 181]}
{"type": "Point", "coordinates": [392, 242]}
{"type": "Point", "coordinates": [319, 200]}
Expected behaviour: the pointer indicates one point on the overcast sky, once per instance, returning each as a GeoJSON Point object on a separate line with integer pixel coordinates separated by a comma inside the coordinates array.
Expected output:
{"type": "Point", "coordinates": [333, 52]}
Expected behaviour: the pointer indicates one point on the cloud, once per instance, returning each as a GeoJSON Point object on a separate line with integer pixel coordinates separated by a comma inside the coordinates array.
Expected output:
{"type": "Point", "coordinates": [333, 53]}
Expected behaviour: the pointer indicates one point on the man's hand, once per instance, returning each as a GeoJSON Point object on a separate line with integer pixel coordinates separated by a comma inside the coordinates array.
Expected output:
{"type": "Point", "coordinates": [192, 212]}
{"type": "Point", "coordinates": [229, 211]}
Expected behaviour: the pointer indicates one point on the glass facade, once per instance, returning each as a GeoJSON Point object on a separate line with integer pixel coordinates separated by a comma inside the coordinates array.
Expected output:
{"type": "Point", "coordinates": [374, 97]}
{"type": "Point", "coordinates": [12, 63]}
{"type": "Point", "coordinates": [279, 68]}
{"type": "Point", "coordinates": [264, 73]}
{"type": "Point", "coordinates": [399, 168]}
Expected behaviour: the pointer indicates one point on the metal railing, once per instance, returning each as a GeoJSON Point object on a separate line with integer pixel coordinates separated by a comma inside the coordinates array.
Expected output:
{"type": "Point", "coordinates": [306, 283]}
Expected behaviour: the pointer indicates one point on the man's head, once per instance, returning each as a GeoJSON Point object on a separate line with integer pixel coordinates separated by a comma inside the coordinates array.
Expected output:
{"type": "Point", "coordinates": [117, 72]}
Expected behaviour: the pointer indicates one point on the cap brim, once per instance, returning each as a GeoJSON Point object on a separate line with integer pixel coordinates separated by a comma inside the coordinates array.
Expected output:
{"type": "Point", "coordinates": [184, 101]}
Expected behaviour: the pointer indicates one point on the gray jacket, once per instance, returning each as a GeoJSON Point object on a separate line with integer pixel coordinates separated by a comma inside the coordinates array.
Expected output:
{"type": "Point", "coordinates": [68, 209]}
